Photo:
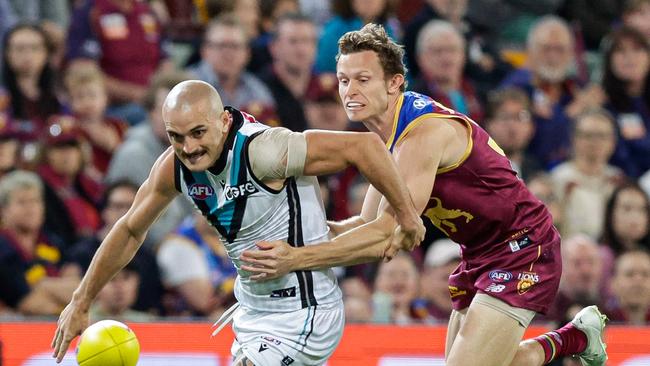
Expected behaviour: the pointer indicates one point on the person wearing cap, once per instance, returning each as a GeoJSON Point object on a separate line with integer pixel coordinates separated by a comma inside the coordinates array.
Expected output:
{"type": "Point", "coordinates": [71, 195]}
{"type": "Point", "coordinates": [442, 257]}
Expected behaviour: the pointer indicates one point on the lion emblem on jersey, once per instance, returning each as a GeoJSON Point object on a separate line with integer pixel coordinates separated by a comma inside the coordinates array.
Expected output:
{"type": "Point", "coordinates": [440, 217]}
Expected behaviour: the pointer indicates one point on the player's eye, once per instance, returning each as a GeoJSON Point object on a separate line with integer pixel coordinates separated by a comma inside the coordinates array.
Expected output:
{"type": "Point", "coordinates": [343, 81]}
{"type": "Point", "coordinates": [198, 134]}
{"type": "Point", "coordinates": [175, 137]}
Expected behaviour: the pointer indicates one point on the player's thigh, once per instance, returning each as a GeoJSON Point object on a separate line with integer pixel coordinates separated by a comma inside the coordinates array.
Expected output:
{"type": "Point", "coordinates": [242, 360]}
{"type": "Point", "coordinates": [487, 337]}
{"type": "Point", "coordinates": [455, 321]}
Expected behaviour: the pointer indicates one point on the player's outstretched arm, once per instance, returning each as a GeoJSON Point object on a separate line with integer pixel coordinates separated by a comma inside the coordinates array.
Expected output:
{"type": "Point", "coordinates": [379, 238]}
{"type": "Point", "coordinates": [119, 247]}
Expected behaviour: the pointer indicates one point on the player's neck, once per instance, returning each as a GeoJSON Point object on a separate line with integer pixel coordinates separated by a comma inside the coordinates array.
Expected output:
{"type": "Point", "coordinates": [382, 124]}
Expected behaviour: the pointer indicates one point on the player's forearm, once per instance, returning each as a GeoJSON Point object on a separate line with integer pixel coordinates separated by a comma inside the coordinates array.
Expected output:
{"type": "Point", "coordinates": [363, 244]}
{"type": "Point", "coordinates": [376, 164]}
{"type": "Point", "coordinates": [339, 227]}
{"type": "Point", "coordinates": [116, 251]}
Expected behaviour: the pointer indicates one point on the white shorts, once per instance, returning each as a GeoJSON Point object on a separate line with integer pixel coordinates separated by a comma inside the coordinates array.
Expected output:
{"type": "Point", "coordinates": [305, 337]}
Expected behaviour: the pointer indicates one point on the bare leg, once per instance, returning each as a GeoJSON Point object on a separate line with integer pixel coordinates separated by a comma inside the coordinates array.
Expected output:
{"type": "Point", "coordinates": [529, 353]}
{"type": "Point", "coordinates": [487, 337]}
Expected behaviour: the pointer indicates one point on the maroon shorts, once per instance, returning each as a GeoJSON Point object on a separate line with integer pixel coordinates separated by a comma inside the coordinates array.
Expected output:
{"type": "Point", "coordinates": [526, 278]}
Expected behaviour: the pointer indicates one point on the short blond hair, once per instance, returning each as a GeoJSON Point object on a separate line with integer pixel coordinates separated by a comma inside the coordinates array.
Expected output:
{"type": "Point", "coordinates": [83, 73]}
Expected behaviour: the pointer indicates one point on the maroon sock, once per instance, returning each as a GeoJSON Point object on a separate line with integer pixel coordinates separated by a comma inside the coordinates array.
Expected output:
{"type": "Point", "coordinates": [565, 341]}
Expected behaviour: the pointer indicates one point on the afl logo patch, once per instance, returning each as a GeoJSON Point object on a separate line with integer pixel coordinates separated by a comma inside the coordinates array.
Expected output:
{"type": "Point", "coordinates": [200, 191]}
{"type": "Point", "coordinates": [419, 103]}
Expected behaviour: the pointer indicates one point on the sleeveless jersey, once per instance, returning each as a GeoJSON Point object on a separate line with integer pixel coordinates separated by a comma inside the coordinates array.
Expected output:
{"type": "Point", "coordinates": [478, 202]}
{"type": "Point", "coordinates": [245, 211]}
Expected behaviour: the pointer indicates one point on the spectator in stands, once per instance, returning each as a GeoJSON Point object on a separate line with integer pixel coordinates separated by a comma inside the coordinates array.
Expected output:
{"type": "Point", "coordinates": [626, 84]}
{"type": "Point", "coordinates": [581, 278]}
{"type": "Point", "coordinates": [323, 106]}
{"type": "Point", "coordinates": [631, 288]}
{"type": "Point", "coordinates": [541, 185]}
{"type": "Point", "coordinates": [584, 183]}
{"type": "Point", "coordinates": [270, 12]}
{"type": "Point", "coordinates": [555, 96]}
{"type": "Point", "coordinates": [509, 123]}
{"type": "Point", "coordinates": [636, 14]}
{"type": "Point", "coordinates": [451, 11]}
{"type": "Point", "coordinates": [71, 194]}
{"type": "Point", "coordinates": [224, 54]}
{"type": "Point", "coordinates": [115, 301]}
{"type": "Point", "coordinates": [357, 300]}
{"type": "Point", "coordinates": [29, 80]}
{"type": "Point", "coordinates": [116, 201]}
{"type": "Point", "coordinates": [627, 220]}
{"type": "Point", "coordinates": [483, 65]}
{"type": "Point", "coordinates": [352, 15]}
{"type": "Point", "coordinates": [440, 52]}
{"type": "Point", "coordinates": [86, 88]}
{"type": "Point", "coordinates": [246, 11]}
{"type": "Point", "coordinates": [125, 38]}
{"type": "Point", "coordinates": [133, 160]}
{"type": "Point", "coordinates": [399, 280]}
{"type": "Point", "coordinates": [196, 269]}
{"type": "Point", "coordinates": [9, 147]}
{"type": "Point", "coordinates": [31, 279]}
{"type": "Point", "coordinates": [293, 49]}
{"type": "Point", "coordinates": [442, 258]}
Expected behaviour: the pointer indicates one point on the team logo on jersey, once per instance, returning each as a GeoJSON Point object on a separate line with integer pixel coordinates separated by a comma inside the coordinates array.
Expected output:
{"type": "Point", "coordinates": [286, 361]}
{"type": "Point", "coordinates": [455, 291]}
{"type": "Point", "coordinates": [241, 190]}
{"type": "Point", "coordinates": [500, 276]}
{"type": "Point", "coordinates": [200, 191]}
{"type": "Point", "coordinates": [526, 281]}
{"type": "Point", "coordinates": [441, 217]}
{"type": "Point", "coordinates": [420, 103]}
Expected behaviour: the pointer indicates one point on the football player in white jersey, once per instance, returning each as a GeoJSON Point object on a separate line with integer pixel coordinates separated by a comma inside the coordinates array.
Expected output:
{"type": "Point", "coordinates": [199, 129]}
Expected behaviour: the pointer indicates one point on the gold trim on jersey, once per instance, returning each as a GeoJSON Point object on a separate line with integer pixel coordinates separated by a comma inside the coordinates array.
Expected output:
{"type": "Point", "coordinates": [398, 110]}
{"type": "Point", "coordinates": [468, 149]}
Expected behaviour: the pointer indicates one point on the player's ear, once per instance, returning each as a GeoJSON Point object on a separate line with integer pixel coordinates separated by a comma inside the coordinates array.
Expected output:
{"type": "Point", "coordinates": [394, 83]}
{"type": "Point", "coordinates": [226, 120]}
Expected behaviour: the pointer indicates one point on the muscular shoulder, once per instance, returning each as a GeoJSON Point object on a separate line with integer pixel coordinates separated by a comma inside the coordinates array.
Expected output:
{"type": "Point", "coordinates": [440, 130]}
{"type": "Point", "coordinates": [162, 173]}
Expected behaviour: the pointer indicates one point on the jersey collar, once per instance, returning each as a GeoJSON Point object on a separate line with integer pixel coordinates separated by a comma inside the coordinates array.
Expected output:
{"type": "Point", "coordinates": [237, 122]}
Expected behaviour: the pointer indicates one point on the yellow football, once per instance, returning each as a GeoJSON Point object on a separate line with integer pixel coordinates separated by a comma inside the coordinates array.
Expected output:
{"type": "Point", "coordinates": [108, 343]}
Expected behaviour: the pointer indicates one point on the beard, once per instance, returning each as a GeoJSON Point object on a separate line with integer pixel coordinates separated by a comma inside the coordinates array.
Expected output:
{"type": "Point", "coordinates": [552, 74]}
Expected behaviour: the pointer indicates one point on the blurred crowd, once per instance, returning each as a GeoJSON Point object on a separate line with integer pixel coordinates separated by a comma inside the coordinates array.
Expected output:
{"type": "Point", "coordinates": [562, 86]}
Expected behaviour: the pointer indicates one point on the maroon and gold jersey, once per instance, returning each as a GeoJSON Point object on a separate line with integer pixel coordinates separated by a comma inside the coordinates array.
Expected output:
{"type": "Point", "coordinates": [479, 202]}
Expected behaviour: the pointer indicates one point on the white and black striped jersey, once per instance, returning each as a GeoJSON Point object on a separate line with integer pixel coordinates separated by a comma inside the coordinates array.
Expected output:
{"type": "Point", "coordinates": [245, 211]}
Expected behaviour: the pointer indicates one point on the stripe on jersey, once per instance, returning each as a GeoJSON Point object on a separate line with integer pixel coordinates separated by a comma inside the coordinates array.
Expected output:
{"type": "Point", "coordinates": [229, 220]}
{"type": "Point", "coordinates": [189, 179]}
{"type": "Point", "coordinates": [305, 278]}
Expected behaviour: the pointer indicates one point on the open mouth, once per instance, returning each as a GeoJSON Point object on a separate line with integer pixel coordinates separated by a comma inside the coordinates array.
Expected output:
{"type": "Point", "coordinates": [354, 106]}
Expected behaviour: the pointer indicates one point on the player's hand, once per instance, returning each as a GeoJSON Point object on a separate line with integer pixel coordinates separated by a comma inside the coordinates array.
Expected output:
{"type": "Point", "coordinates": [411, 230]}
{"type": "Point", "coordinates": [273, 259]}
{"type": "Point", "coordinates": [72, 321]}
